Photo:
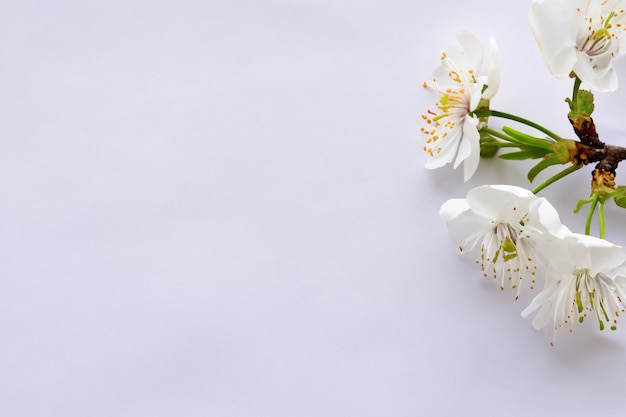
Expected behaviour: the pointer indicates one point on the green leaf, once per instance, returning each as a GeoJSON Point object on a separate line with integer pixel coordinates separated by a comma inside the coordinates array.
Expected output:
{"type": "Point", "coordinates": [620, 199]}
{"type": "Point", "coordinates": [581, 203]}
{"type": "Point", "coordinates": [581, 107]}
{"type": "Point", "coordinates": [545, 163]}
{"type": "Point", "coordinates": [583, 103]}
{"type": "Point", "coordinates": [518, 156]}
{"type": "Point", "coordinates": [523, 138]}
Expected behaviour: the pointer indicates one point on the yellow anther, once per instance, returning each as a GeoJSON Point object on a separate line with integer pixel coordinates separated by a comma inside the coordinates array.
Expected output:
{"type": "Point", "coordinates": [455, 76]}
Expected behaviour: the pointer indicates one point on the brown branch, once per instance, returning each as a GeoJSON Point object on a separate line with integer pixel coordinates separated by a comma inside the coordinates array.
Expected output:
{"type": "Point", "coordinates": [585, 129]}
{"type": "Point", "coordinates": [592, 149]}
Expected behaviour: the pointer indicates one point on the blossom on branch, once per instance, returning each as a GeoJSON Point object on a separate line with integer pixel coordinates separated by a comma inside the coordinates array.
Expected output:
{"type": "Point", "coordinates": [505, 223]}
{"type": "Point", "coordinates": [580, 36]}
{"type": "Point", "coordinates": [451, 129]}
{"type": "Point", "coordinates": [578, 283]}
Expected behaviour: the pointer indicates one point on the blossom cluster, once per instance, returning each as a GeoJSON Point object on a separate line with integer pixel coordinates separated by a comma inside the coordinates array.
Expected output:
{"type": "Point", "coordinates": [517, 238]}
{"type": "Point", "coordinates": [514, 236]}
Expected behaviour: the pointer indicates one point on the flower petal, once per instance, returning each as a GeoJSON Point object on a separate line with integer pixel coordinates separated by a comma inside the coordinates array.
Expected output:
{"type": "Point", "coordinates": [453, 208]}
{"type": "Point", "coordinates": [597, 79]}
{"type": "Point", "coordinates": [500, 202]}
{"type": "Point", "coordinates": [542, 215]}
{"type": "Point", "coordinates": [493, 76]}
{"type": "Point", "coordinates": [464, 225]}
{"type": "Point", "coordinates": [449, 149]}
{"type": "Point", "coordinates": [558, 46]}
{"type": "Point", "coordinates": [604, 255]}
{"type": "Point", "coordinates": [469, 148]}
{"type": "Point", "coordinates": [472, 46]}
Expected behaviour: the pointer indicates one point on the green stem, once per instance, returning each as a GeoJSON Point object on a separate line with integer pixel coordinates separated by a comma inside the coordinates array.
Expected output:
{"type": "Point", "coordinates": [577, 83]}
{"type": "Point", "coordinates": [601, 220]}
{"type": "Point", "coordinates": [507, 145]}
{"type": "Point", "coordinates": [498, 134]}
{"type": "Point", "coordinates": [594, 203]}
{"type": "Point", "coordinates": [527, 122]}
{"type": "Point", "coordinates": [556, 177]}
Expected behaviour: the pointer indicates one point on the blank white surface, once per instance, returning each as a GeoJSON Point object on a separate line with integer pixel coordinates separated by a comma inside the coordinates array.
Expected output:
{"type": "Point", "coordinates": [219, 208]}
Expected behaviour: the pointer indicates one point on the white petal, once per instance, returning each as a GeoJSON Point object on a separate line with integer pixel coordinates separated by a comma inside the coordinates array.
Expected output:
{"type": "Point", "coordinates": [605, 256]}
{"type": "Point", "coordinates": [441, 75]}
{"type": "Point", "coordinates": [601, 80]}
{"type": "Point", "coordinates": [620, 286]}
{"type": "Point", "coordinates": [542, 215]}
{"type": "Point", "coordinates": [558, 46]}
{"type": "Point", "coordinates": [537, 302]}
{"type": "Point", "coordinates": [475, 91]}
{"type": "Point", "coordinates": [472, 46]}
{"type": "Point", "coordinates": [465, 148]}
{"type": "Point", "coordinates": [471, 137]}
{"type": "Point", "coordinates": [499, 202]}
{"type": "Point", "coordinates": [452, 208]}
{"type": "Point", "coordinates": [578, 251]}
{"type": "Point", "coordinates": [493, 76]}
{"type": "Point", "coordinates": [449, 149]}
{"type": "Point", "coordinates": [465, 227]}
{"type": "Point", "coordinates": [460, 64]}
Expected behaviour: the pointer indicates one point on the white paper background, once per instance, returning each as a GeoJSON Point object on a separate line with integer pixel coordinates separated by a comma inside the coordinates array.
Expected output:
{"type": "Point", "coordinates": [219, 208]}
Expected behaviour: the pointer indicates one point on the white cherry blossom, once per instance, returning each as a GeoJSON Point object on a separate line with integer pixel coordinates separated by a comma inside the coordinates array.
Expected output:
{"type": "Point", "coordinates": [451, 129]}
{"type": "Point", "coordinates": [503, 223]}
{"type": "Point", "coordinates": [578, 283]}
{"type": "Point", "coordinates": [581, 36]}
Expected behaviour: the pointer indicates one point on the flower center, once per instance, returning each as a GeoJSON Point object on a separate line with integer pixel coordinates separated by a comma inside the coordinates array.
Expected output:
{"type": "Point", "coordinates": [598, 36]}
{"type": "Point", "coordinates": [452, 107]}
{"type": "Point", "coordinates": [587, 298]}
{"type": "Point", "coordinates": [507, 256]}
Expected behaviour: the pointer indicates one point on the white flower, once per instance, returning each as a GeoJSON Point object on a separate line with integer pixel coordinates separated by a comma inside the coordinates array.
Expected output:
{"type": "Point", "coordinates": [505, 223]}
{"type": "Point", "coordinates": [577, 283]}
{"type": "Point", "coordinates": [451, 129]}
{"type": "Point", "coordinates": [580, 36]}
